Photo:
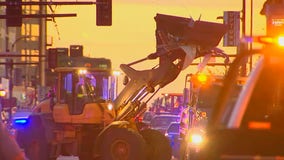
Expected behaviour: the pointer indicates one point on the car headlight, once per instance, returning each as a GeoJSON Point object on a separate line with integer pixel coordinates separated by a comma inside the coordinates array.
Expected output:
{"type": "Point", "coordinates": [196, 138]}
{"type": "Point", "coordinates": [109, 106]}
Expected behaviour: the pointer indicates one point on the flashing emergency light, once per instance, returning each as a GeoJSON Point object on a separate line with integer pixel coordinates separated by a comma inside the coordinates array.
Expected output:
{"type": "Point", "coordinates": [202, 78]}
{"type": "Point", "coordinates": [2, 93]}
{"type": "Point", "coordinates": [279, 40]}
{"type": "Point", "coordinates": [196, 138]}
{"type": "Point", "coordinates": [21, 121]}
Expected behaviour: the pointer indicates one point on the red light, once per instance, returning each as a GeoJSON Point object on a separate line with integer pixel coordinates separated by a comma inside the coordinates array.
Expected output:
{"type": "Point", "coordinates": [259, 125]}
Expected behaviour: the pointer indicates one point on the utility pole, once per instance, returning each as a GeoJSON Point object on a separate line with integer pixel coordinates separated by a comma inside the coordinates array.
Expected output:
{"type": "Point", "coordinates": [243, 46]}
{"type": "Point", "coordinates": [42, 45]}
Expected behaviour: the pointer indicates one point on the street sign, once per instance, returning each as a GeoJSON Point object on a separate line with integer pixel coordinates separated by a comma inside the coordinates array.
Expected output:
{"type": "Point", "coordinates": [232, 19]}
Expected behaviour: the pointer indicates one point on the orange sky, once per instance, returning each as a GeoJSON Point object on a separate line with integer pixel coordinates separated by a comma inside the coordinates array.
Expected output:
{"type": "Point", "coordinates": [132, 35]}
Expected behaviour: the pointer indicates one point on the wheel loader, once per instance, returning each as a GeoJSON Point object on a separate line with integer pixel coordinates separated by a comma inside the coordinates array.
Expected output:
{"type": "Point", "coordinates": [82, 121]}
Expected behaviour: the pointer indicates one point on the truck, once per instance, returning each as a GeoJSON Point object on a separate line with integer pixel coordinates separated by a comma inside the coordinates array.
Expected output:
{"type": "Point", "coordinates": [79, 120]}
{"type": "Point", "coordinates": [251, 125]}
{"type": "Point", "coordinates": [200, 93]}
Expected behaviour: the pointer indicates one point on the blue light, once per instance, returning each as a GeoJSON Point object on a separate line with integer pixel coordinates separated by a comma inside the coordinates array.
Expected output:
{"type": "Point", "coordinates": [20, 121]}
{"type": "Point", "coordinates": [248, 39]}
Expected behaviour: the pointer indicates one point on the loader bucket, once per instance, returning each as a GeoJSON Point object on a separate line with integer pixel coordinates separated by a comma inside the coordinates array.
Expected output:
{"type": "Point", "coordinates": [188, 31]}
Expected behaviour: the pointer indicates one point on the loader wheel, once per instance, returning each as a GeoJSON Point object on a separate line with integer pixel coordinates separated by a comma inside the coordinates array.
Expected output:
{"type": "Point", "coordinates": [36, 146]}
{"type": "Point", "coordinates": [122, 144]}
{"type": "Point", "coordinates": [158, 146]}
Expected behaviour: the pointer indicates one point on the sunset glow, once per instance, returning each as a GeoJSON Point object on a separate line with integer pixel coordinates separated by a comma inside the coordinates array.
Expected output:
{"type": "Point", "coordinates": [132, 34]}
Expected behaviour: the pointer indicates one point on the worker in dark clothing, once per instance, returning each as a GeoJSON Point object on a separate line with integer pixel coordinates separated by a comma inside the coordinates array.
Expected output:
{"type": "Point", "coordinates": [268, 2]}
{"type": "Point", "coordinates": [9, 149]}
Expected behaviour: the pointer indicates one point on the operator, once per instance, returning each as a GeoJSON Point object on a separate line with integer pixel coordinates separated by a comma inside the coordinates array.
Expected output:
{"type": "Point", "coordinates": [9, 149]}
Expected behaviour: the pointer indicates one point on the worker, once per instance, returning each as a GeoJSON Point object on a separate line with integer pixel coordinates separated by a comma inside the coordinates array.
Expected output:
{"type": "Point", "coordinates": [177, 106]}
{"type": "Point", "coordinates": [9, 149]}
{"type": "Point", "coordinates": [269, 2]}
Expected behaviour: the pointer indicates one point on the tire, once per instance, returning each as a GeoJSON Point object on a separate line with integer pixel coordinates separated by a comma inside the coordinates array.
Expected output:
{"type": "Point", "coordinates": [122, 144]}
{"type": "Point", "coordinates": [35, 144]}
{"type": "Point", "coordinates": [158, 146]}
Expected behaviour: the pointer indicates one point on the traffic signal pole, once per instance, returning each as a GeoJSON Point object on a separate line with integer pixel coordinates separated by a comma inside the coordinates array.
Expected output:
{"type": "Point", "coordinates": [243, 46]}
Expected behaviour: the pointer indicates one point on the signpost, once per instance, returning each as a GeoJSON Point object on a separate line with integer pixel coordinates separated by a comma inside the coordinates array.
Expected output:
{"type": "Point", "coordinates": [232, 19]}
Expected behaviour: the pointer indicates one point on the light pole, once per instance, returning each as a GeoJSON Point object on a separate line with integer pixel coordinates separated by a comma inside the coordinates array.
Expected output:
{"type": "Point", "coordinates": [244, 46]}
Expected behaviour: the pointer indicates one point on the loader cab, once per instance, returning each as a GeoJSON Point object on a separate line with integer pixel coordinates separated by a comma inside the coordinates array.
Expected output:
{"type": "Point", "coordinates": [78, 86]}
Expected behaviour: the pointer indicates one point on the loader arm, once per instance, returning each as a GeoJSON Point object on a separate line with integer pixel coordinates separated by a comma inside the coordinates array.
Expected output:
{"type": "Point", "coordinates": [143, 82]}
{"type": "Point", "coordinates": [179, 41]}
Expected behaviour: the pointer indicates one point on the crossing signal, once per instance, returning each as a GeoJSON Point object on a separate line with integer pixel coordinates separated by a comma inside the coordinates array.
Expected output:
{"type": "Point", "coordinates": [53, 56]}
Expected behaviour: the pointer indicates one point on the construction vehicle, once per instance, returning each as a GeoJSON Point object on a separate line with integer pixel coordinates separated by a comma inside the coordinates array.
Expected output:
{"type": "Point", "coordinates": [170, 103]}
{"type": "Point", "coordinates": [200, 94]}
{"type": "Point", "coordinates": [251, 125]}
{"type": "Point", "coordinates": [88, 125]}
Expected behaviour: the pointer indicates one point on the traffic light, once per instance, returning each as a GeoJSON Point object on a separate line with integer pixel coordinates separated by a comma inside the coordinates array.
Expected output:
{"type": "Point", "coordinates": [104, 12]}
{"type": "Point", "coordinates": [53, 56]}
{"type": "Point", "coordinates": [76, 51]}
{"type": "Point", "coordinates": [14, 13]}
